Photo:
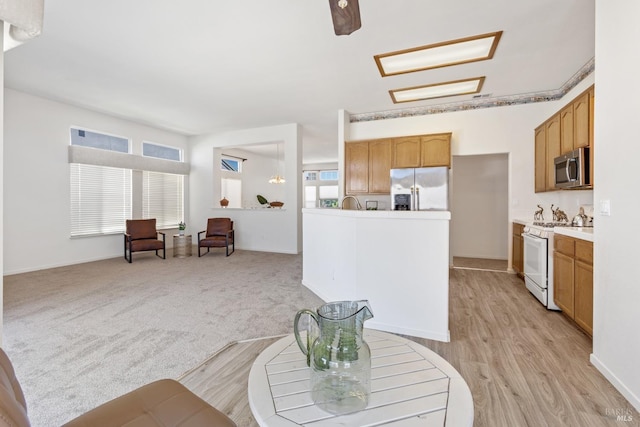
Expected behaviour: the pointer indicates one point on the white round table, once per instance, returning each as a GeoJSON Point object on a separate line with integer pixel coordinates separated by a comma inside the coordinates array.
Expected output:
{"type": "Point", "coordinates": [410, 386]}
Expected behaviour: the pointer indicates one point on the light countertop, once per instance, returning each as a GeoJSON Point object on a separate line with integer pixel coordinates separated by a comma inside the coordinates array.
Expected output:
{"type": "Point", "coordinates": [583, 233]}
{"type": "Point", "coordinates": [379, 214]}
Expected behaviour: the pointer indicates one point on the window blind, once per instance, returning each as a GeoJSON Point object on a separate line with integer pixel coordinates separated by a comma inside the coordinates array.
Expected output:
{"type": "Point", "coordinates": [162, 198]}
{"type": "Point", "coordinates": [100, 199]}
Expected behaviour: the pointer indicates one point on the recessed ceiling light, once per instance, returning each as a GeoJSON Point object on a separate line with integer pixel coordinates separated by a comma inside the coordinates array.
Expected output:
{"type": "Point", "coordinates": [453, 52]}
{"type": "Point", "coordinates": [438, 90]}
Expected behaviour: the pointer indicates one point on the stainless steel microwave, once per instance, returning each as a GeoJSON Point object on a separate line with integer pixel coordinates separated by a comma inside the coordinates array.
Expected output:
{"type": "Point", "coordinates": [572, 169]}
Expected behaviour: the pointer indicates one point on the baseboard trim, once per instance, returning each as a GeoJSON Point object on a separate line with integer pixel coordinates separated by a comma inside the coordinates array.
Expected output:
{"type": "Point", "coordinates": [615, 381]}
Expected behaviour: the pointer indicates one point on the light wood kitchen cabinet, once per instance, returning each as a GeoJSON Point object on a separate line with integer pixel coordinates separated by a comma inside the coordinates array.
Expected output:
{"type": "Point", "coordinates": [379, 166]}
{"type": "Point", "coordinates": [517, 256]}
{"type": "Point", "coordinates": [566, 129]}
{"type": "Point", "coordinates": [406, 152]}
{"type": "Point", "coordinates": [563, 282]}
{"type": "Point", "coordinates": [356, 167]}
{"type": "Point", "coordinates": [540, 159]}
{"type": "Point", "coordinates": [368, 163]}
{"type": "Point", "coordinates": [435, 150]}
{"type": "Point", "coordinates": [553, 150]}
{"type": "Point", "coordinates": [582, 121]}
{"type": "Point", "coordinates": [573, 280]}
{"type": "Point", "coordinates": [583, 302]}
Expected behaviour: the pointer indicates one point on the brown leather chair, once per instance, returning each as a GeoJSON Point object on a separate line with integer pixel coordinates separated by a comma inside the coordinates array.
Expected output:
{"type": "Point", "coordinates": [219, 234]}
{"type": "Point", "coordinates": [141, 235]}
{"type": "Point", "coordinates": [161, 403]}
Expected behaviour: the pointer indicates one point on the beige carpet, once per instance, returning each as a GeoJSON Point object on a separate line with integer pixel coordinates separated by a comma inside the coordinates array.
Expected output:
{"type": "Point", "coordinates": [84, 334]}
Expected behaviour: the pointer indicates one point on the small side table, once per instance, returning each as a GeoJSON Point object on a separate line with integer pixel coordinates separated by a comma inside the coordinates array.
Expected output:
{"type": "Point", "coordinates": [410, 386]}
{"type": "Point", "coordinates": [181, 245]}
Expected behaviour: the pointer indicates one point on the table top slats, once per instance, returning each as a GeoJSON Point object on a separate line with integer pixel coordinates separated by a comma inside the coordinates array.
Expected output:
{"type": "Point", "coordinates": [410, 386]}
{"type": "Point", "coordinates": [432, 419]}
{"type": "Point", "coordinates": [404, 380]}
{"type": "Point", "coordinates": [290, 388]}
{"type": "Point", "coordinates": [403, 368]}
{"type": "Point", "coordinates": [289, 377]}
{"type": "Point", "coordinates": [395, 359]}
{"type": "Point", "coordinates": [374, 416]}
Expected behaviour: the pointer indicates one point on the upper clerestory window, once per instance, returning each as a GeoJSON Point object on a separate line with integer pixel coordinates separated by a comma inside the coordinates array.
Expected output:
{"type": "Point", "coordinates": [101, 141]}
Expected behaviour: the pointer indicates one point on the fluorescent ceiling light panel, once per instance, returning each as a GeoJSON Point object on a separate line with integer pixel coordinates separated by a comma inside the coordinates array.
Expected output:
{"type": "Point", "coordinates": [453, 52]}
{"type": "Point", "coordinates": [439, 90]}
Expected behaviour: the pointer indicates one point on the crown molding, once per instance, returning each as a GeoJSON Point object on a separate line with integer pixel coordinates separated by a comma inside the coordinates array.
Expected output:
{"type": "Point", "coordinates": [475, 104]}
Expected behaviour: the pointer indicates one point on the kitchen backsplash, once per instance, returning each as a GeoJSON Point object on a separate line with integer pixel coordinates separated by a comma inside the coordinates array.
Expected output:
{"type": "Point", "coordinates": [569, 201]}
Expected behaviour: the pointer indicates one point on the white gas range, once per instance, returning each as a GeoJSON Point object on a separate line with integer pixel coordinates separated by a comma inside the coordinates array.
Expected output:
{"type": "Point", "coordinates": [538, 261]}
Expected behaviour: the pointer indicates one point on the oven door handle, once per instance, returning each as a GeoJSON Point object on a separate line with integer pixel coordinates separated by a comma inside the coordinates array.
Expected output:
{"type": "Point", "coordinates": [532, 237]}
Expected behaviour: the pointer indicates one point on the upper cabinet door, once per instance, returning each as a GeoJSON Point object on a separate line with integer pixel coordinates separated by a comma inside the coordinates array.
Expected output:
{"type": "Point", "coordinates": [356, 165]}
{"type": "Point", "coordinates": [406, 152]}
{"type": "Point", "coordinates": [379, 166]}
{"type": "Point", "coordinates": [566, 129]}
{"type": "Point", "coordinates": [582, 121]}
{"type": "Point", "coordinates": [435, 150]}
{"type": "Point", "coordinates": [540, 159]}
{"type": "Point", "coordinates": [553, 149]}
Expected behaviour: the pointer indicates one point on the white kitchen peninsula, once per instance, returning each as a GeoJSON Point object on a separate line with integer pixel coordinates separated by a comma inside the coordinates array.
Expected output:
{"type": "Point", "coordinates": [397, 260]}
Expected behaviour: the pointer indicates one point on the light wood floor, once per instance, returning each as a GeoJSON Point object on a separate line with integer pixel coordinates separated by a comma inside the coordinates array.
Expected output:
{"type": "Point", "coordinates": [525, 365]}
{"type": "Point", "coordinates": [480, 263]}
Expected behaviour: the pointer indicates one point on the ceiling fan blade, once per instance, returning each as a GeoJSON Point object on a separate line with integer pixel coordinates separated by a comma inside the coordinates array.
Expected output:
{"type": "Point", "coordinates": [347, 20]}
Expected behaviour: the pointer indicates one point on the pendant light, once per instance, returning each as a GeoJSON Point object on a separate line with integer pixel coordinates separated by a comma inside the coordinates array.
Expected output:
{"type": "Point", "coordinates": [277, 178]}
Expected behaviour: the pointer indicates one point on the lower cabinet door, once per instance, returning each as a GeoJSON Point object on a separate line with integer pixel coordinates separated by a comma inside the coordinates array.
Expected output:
{"type": "Point", "coordinates": [563, 283]}
{"type": "Point", "coordinates": [584, 296]}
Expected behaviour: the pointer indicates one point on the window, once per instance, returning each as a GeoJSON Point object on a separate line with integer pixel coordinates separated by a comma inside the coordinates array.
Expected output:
{"type": "Point", "coordinates": [108, 187]}
{"type": "Point", "coordinates": [163, 198]}
{"type": "Point", "coordinates": [231, 189]}
{"type": "Point", "coordinates": [161, 151]}
{"type": "Point", "coordinates": [102, 141]}
{"type": "Point", "coordinates": [321, 189]}
{"type": "Point", "coordinates": [231, 164]}
{"type": "Point", "coordinates": [100, 199]}
{"type": "Point", "coordinates": [328, 175]}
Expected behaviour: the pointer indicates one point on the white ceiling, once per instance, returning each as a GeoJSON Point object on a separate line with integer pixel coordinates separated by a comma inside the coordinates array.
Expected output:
{"type": "Point", "coordinates": [202, 66]}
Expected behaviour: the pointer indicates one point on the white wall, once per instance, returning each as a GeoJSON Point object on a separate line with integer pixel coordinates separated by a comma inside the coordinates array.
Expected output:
{"type": "Point", "coordinates": [36, 173]}
{"type": "Point", "coordinates": [507, 130]}
{"type": "Point", "coordinates": [480, 206]}
{"type": "Point", "coordinates": [273, 230]}
{"type": "Point", "coordinates": [1, 183]}
{"type": "Point", "coordinates": [616, 342]}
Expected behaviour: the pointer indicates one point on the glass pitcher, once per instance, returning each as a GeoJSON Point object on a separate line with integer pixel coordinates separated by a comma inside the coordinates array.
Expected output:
{"type": "Point", "coordinates": [339, 358]}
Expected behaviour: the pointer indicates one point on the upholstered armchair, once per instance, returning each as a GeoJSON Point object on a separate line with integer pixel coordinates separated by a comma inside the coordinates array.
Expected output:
{"type": "Point", "coordinates": [219, 234]}
{"type": "Point", "coordinates": [141, 235]}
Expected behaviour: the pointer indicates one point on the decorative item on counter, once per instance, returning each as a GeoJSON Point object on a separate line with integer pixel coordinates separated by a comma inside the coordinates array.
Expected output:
{"type": "Point", "coordinates": [371, 205]}
{"type": "Point", "coordinates": [224, 202]}
{"type": "Point", "coordinates": [263, 201]}
{"type": "Point", "coordinates": [538, 216]}
{"type": "Point", "coordinates": [558, 215]}
{"type": "Point", "coordinates": [339, 358]}
{"type": "Point", "coordinates": [580, 219]}
{"type": "Point", "coordinates": [181, 227]}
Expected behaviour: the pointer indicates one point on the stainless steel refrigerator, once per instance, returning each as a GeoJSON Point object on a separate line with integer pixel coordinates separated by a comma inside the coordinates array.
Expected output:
{"type": "Point", "coordinates": [420, 189]}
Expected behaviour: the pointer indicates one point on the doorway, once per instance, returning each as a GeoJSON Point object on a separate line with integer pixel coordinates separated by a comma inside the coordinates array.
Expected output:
{"type": "Point", "coordinates": [479, 212]}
